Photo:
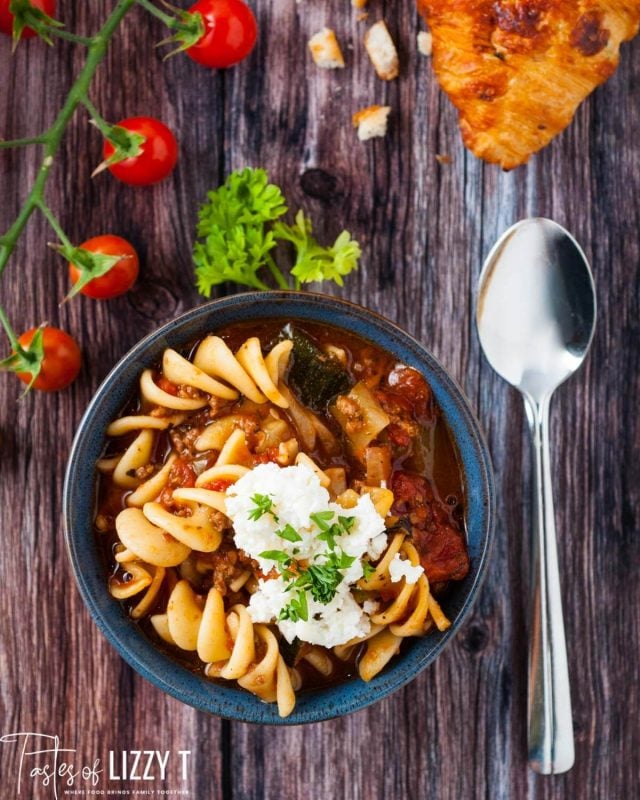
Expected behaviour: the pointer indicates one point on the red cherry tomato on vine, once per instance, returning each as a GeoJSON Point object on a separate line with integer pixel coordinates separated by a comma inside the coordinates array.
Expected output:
{"type": "Point", "coordinates": [61, 362]}
{"type": "Point", "coordinates": [157, 159]}
{"type": "Point", "coordinates": [6, 17]}
{"type": "Point", "coordinates": [230, 33]}
{"type": "Point", "coordinates": [120, 277]}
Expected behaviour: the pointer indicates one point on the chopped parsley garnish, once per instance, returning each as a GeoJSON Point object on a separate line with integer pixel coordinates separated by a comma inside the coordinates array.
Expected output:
{"type": "Point", "coordinates": [347, 523]}
{"type": "Point", "coordinates": [263, 504]}
{"type": "Point", "coordinates": [368, 569]}
{"type": "Point", "coordinates": [297, 608]}
{"type": "Point", "coordinates": [321, 518]}
{"type": "Point", "coordinates": [322, 578]}
{"type": "Point", "coordinates": [289, 533]}
{"type": "Point", "coordinates": [277, 555]}
{"type": "Point", "coordinates": [329, 533]}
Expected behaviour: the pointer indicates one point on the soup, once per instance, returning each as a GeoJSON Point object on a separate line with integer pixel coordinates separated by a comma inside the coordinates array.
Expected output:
{"type": "Point", "coordinates": [280, 505]}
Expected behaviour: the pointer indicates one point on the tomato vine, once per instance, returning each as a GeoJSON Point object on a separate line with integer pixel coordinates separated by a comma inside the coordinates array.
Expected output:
{"type": "Point", "coordinates": [186, 28]}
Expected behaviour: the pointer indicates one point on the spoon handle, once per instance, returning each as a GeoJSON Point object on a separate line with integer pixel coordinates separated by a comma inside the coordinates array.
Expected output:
{"type": "Point", "coordinates": [550, 726]}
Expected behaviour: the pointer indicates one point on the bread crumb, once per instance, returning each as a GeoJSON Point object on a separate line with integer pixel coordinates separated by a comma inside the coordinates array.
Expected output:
{"type": "Point", "coordinates": [382, 51]}
{"type": "Point", "coordinates": [425, 43]}
{"type": "Point", "coordinates": [325, 50]}
{"type": "Point", "coordinates": [371, 122]}
{"type": "Point", "coordinates": [358, 3]}
{"type": "Point", "coordinates": [443, 159]}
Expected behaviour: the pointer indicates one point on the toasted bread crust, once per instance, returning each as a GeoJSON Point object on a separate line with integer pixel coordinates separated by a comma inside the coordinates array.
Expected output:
{"type": "Point", "coordinates": [517, 70]}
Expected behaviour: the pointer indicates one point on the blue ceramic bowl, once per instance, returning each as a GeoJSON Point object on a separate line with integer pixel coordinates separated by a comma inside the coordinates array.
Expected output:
{"type": "Point", "coordinates": [228, 700]}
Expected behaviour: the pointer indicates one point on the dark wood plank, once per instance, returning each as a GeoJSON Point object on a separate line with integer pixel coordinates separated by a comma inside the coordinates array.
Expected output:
{"type": "Point", "coordinates": [459, 730]}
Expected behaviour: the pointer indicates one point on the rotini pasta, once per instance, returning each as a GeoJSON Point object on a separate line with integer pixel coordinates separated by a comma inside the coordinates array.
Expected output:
{"type": "Point", "coordinates": [273, 515]}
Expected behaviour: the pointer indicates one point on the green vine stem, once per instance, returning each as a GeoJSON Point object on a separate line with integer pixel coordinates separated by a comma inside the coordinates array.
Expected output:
{"type": "Point", "coordinates": [6, 143]}
{"type": "Point", "coordinates": [52, 138]}
{"type": "Point", "coordinates": [78, 95]}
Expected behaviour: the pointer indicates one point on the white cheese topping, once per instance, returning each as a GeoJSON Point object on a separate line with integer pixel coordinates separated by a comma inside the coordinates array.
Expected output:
{"type": "Point", "coordinates": [295, 494]}
{"type": "Point", "coordinates": [400, 568]}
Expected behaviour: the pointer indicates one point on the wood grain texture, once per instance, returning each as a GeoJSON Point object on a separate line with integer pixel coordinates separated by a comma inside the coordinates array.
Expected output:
{"type": "Point", "coordinates": [457, 732]}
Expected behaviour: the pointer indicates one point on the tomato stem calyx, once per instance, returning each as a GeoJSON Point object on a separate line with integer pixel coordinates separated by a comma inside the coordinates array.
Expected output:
{"type": "Point", "coordinates": [89, 265]}
{"type": "Point", "coordinates": [126, 144]}
{"type": "Point", "coordinates": [26, 359]}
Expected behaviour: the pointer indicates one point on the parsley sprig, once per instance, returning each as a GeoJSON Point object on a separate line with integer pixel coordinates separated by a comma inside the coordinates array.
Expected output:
{"type": "Point", "coordinates": [240, 225]}
{"type": "Point", "coordinates": [263, 504]}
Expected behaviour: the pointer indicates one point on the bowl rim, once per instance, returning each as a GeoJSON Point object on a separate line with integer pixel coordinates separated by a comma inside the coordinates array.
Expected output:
{"type": "Point", "coordinates": [168, 674]}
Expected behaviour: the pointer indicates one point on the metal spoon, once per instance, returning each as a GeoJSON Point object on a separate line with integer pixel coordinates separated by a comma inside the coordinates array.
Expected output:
{"type": "Point", "coordinates": [536, 316]}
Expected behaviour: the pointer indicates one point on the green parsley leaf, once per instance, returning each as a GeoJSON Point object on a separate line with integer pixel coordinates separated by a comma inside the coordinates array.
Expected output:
{"type": "Point", "coordinates": [347, 523]}
{"type": "Point", "coordinates": [289, 533]}
{"type": "Point", "coordinates": [313, 261]}
{"type": "Point", "coordinates": [368, 569]}
{"type": "Point", "coordinates": [276, 555]}
{"type": "Point", "coordinates": [297, 608]}
{"type": "Point", "coordinates": [233, 242]}
{"type": "Point", "coordinates": [321, 518]}
{"type": "Point", "coordinates": [342, 561]}
{"type": "Point", "coordinates": [323, 582]}
{"type": "Point", "coordinates": [330, 534]}
{"type": "Point", "coordinates": [263, 504]}
{"type": "Point", "coordinates": [238, 228]}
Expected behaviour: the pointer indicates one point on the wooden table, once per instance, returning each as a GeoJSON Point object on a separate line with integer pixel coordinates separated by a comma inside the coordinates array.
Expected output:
{"type": "Point", "coordinates": [457, 732]}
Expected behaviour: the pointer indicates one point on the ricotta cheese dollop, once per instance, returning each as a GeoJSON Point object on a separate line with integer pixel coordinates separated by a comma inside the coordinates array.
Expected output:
{"type": "Point", "coordinates": [272, 509]}
{"type": "Point", "coordinates": [400, 568]}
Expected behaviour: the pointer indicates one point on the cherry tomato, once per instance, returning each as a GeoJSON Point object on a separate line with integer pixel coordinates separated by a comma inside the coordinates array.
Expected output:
{"type": "Point", "coordinates": [157, 159]}
{"type": "Point", "coordinates": [230, 33]}
{"type": "Point", "coordinates": [61, 360]}
{"type": "Point", "coordinates": [120, 277]}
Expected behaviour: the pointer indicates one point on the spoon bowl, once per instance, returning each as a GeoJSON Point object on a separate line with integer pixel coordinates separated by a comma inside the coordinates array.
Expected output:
{"type": "Point", "coordinates": [536, 316]}
{"type": "Point", "coordinates": [536, 306]}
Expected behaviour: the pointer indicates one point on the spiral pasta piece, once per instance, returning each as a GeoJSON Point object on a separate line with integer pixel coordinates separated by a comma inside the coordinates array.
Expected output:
{"type": "Point", "coordinates": [184, 616]}
{"type": "Point", "coordinates": [303, 458]}
{"type": "Point", "coordinates": [235, 450]}
{"type": "Point", "coordinates": [260, 679]}
{"type": "Point", "coordinates": [213, 642]}
{"type": "Point", "coordinates": [151, 488]}
{"type": "Point", "coordinates": [138, 422]}
{"type": "Point", "coordinates": [149, 542]}
{"type": "Point", "coordinates": [268, 677]}
{"type": "Point", "coordinates": [416, 623]}
{"type": "Point", "coordinates": [204, 497]}
{"type": "Point", "coordinates": [221, 472]}
{"type": "Point", "coordinates": [148, 599]}
{"type": "Point", "coordinates": [196, 532]}
{"type": "Point", "coordinates": [135, 456]}
{"type": "Point", "coordinates": [380, 578]}
{"type": "Point", "coordinates": [265, 373]}
{"type": "Point", "coordinates": [216, 434]}
{"type": "Point", "coordinates": [380, 650]}
{"type": "Point", "coordinates": [214, 357]}
{"type": "Point", "coordinates": [153, 394]}
{"type": "Point", "coordinates": [182, 372]}
{"type": "Point", "coordinates": [139, 580]}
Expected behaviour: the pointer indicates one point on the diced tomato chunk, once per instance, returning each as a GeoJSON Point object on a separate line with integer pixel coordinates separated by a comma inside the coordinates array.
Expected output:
{"type": "Point", "coordinates": [270, 454]}
{"type": "Point", "coordinates": [218, 485]}
{"type": "Point", "coordinates": [441, 545]}
{"type": "Point", "coordinates": [182, 474]}
{"type": "Point", "coordinates": [410, 384]}
{"type": "Point", "coordinates": [398, 435]}
{"type": "Point", "coordinates": [443, 553]}
{"type": "Point", "coordinates": [409, 490]}
{"type": "Point", "coordinates": [167, 386]}
{"type": "Point", "coordinates": [394, 403]}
